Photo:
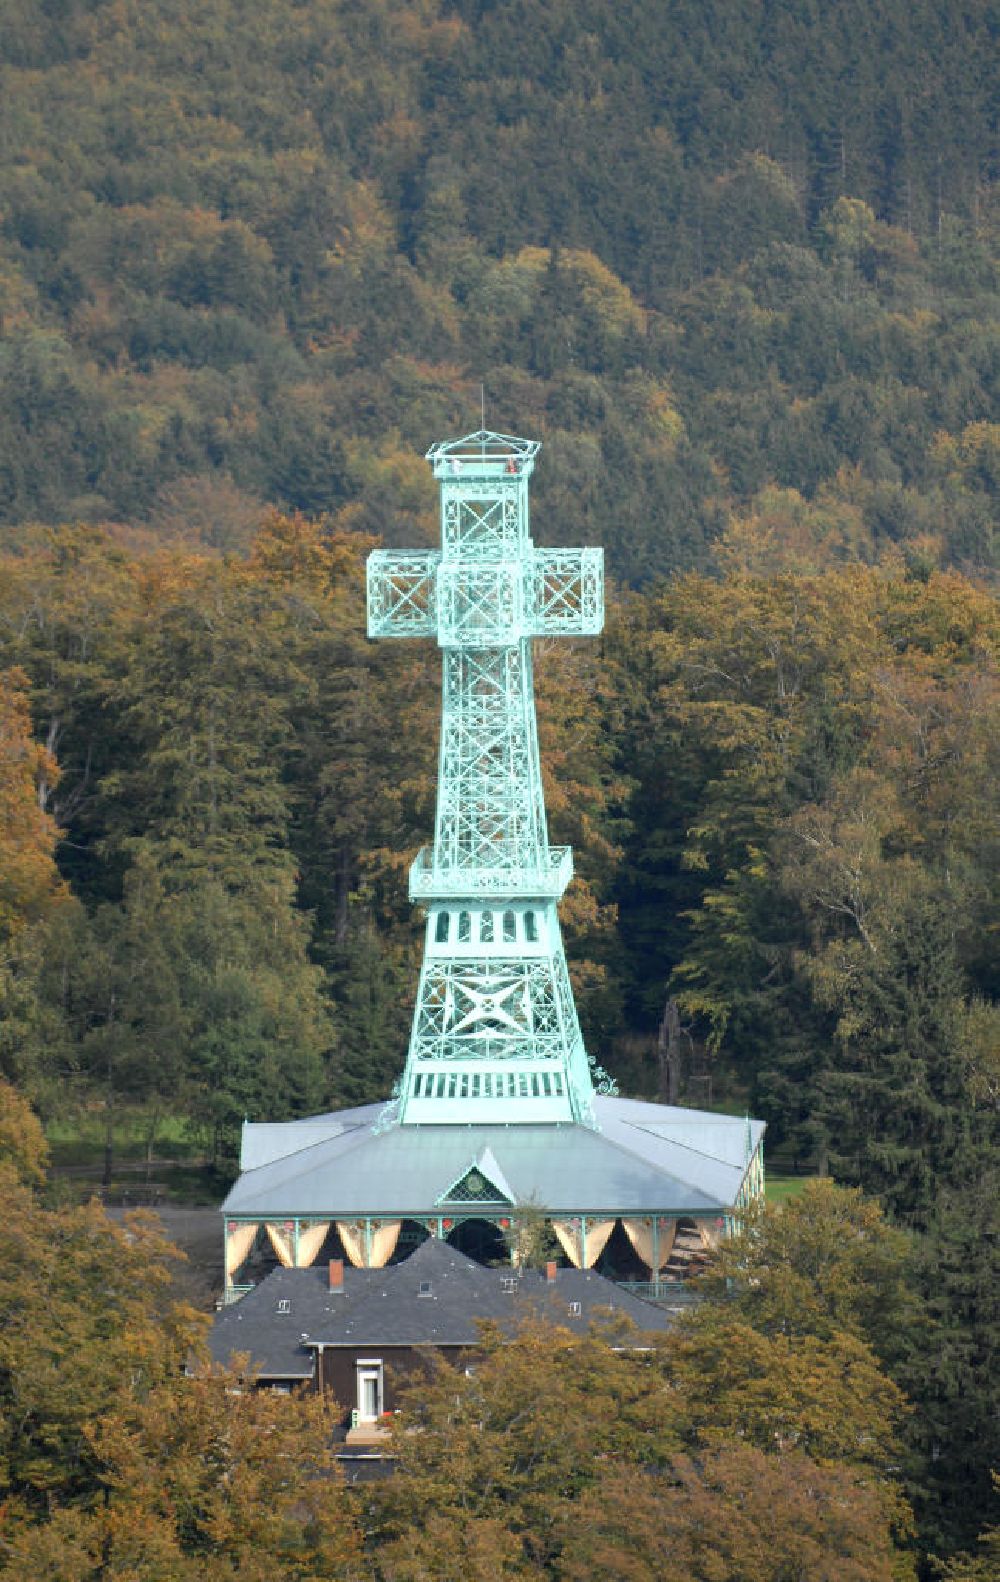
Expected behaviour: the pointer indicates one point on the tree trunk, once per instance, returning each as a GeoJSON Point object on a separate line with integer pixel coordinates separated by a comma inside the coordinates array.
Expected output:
{"type": "Point", "coordinates": [109, 1143]}
{"type": "Point", "coordinates": [151, 1131]}
{"type": "Point", "coordinates": [342, 895]}
{"type": "Point", "coordinates": [668, 1051]}
{"type": "Point", "coordinates": [109, 1096]}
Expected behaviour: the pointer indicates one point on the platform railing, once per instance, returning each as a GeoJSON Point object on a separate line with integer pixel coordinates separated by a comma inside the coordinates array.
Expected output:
{"type": "Point", "coordinates": [665, 1293]}
{"type": "Point", "coordinates": [428, 882]}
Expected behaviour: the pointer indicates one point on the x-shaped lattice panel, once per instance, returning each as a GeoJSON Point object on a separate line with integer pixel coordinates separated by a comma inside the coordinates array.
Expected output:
{"type": "Point", "coordinates": [402, 593]}
{"type": "Point", "coordinates": [566, 593]}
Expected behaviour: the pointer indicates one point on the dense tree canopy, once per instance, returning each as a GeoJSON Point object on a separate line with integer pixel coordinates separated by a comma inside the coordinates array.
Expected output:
{"type": "Point", "coordinates": [733, 264]}
{"type": "Point", "coordinates": [126, 1458]}
{"type": "Point", "coordinates": [755, 1455]}
{"type": "Point", "coordinates": [113, 1462]}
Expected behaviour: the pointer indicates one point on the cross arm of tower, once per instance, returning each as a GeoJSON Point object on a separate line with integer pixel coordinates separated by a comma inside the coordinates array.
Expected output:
{"type": "Point", "coordinates": [402, 593]}
{"type": "Point", "coordinates": [546, 593]}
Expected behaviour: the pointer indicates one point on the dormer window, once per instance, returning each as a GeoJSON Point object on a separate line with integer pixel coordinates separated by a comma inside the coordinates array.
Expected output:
{"type": "Point", "coordinates": [424, 1288]}
{"type": "Point", "coordinates": [574, 1310]}
{"type": "Point", "coordinates": [284, 1305]}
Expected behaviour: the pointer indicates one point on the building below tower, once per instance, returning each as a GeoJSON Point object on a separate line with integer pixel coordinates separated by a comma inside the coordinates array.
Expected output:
{"type": "Point", "coordinates": [645, 1176]}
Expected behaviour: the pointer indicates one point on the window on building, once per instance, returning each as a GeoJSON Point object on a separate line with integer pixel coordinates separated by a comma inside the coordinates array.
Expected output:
{"type": "Point", "coordinates": [530, 928]}
{"type": "Point", "coordinates": [441, 929]}
{"type": "Point", "coordinates": [486, 928]}
{"type": "Point", "coordinates": [464, 927]}
{"type": "Point", "coordinates": [509, 926]}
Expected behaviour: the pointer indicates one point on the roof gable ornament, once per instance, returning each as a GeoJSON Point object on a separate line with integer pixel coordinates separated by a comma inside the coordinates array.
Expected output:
{"type": "Point", "coordinates": [482, 1181]}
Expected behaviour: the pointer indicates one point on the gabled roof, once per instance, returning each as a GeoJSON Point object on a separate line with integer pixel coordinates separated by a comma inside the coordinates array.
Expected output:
{"type": "Point", "coordinates": [433, 1298]}
{"type": "Point", "coordinates": [642, 1159]}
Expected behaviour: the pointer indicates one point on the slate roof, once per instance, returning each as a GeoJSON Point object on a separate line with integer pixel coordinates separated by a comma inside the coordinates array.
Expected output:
{"type": "Point", "coordinates": [643, 1158]}
{"type": "Point", "coordinates": [385, 1308]}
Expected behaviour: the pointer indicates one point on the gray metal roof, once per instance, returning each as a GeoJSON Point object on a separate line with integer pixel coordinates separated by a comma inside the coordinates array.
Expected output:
{"type": "Point", "coordinates": [262, 1142]}
{"type": "Point", "coordinates": [385, 1308]}
{"type": "Point", "coordinates": [645, 1158]}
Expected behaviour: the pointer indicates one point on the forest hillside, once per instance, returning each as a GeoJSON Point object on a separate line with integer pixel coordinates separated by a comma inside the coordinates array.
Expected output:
{"type": "Point", "coordinates": [726, 260]}
{"type": "Point", "coordinates": [737, 266]}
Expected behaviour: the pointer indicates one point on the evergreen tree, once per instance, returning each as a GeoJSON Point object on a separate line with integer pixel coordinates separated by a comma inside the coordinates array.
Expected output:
{"type": "Point", "coordinates": [893, 1102]}
{"type": "Point", "coordinates": [372, 984]}
{"type": "Point", "coordinates": [951, 1361]}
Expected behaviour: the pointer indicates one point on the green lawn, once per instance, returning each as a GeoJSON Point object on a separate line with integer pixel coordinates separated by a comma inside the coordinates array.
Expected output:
{"type": "Point", "coordinates": [777, 1189]}
{"type": "Point", "coordinates": [79, 1140]}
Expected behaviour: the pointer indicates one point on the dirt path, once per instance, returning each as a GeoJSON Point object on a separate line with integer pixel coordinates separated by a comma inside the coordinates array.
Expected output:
{"type": "Point", "coordinates": [198, 1233]}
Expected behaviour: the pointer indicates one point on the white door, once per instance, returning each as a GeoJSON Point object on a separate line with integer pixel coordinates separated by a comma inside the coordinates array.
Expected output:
{"type": "Point", "coordinates": [369, 1392]}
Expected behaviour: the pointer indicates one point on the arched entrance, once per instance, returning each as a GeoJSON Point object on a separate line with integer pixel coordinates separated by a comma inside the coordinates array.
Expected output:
{"type": "Point", "coordinates": [411, 1235]}
{"type": "Point", "coordinates": [619, 1260]}
{"type": "Point", "coordinates": [479, 1239]}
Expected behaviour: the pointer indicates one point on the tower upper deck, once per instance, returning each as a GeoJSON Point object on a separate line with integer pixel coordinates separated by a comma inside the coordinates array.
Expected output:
{"type": "Point", "coordinates": [483, 455]}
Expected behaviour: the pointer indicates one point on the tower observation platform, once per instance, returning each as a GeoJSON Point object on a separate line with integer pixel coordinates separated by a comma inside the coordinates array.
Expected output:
{"type": "Point", "coordinates": [499, 1104]}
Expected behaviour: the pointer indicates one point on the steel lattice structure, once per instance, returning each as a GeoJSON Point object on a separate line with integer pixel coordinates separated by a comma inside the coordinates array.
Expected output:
{"type": "Point", "coordinates": [495, 1031]}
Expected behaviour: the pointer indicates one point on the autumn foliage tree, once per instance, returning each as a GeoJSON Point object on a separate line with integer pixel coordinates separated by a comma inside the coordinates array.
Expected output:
{"type": "Point", "coordinates": [201, 1482]}
{"type": "Point", "coordinates": [569, 1457]}
{"type": "Point", "coordinates": [114, 1460]}
{"type": "Point", "coordinates": [29, 880]}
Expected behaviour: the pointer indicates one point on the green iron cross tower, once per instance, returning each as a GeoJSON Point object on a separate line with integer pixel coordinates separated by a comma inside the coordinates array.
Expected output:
{"type": "Point", "coordinates": [495, 1033]}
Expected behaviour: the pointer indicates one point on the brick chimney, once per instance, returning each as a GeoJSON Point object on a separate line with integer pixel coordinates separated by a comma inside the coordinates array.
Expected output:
{"type": "Point", "coordinates": [336, 1274]}
{"type": "Point", "coordinates": [550, 1273]}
